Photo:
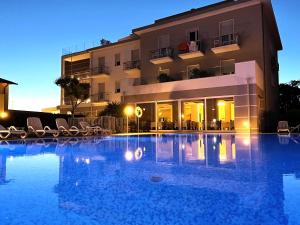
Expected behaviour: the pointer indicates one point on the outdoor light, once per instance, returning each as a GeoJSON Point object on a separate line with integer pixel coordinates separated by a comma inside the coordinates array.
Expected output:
{"type": "Point", "coordinates": [128, 111]}
{"type": "Point", "coordinates": [3, 115]}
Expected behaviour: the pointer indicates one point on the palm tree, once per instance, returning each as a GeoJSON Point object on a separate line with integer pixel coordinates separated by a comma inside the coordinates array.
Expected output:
{"type": "Point", "coordinates": [75, 91]}
{"type": "Point", "coordinates": [113, 109]}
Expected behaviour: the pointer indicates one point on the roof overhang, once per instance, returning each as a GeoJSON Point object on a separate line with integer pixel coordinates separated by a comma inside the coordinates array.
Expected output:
{"type": "Point", "coordinates": [3, 81]}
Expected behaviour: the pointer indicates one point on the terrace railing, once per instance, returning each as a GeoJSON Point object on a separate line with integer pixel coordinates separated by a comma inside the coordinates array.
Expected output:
{"type": "Point", "coordinates": [129, 65]}
{"type": "Point", "coordinates": [224, 40]}
{"type": "Point", "coordinates": [162, 52]}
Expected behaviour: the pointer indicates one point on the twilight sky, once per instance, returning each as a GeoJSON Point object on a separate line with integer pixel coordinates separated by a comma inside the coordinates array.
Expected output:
{"type": "Point", "coordinates": [34, 32]}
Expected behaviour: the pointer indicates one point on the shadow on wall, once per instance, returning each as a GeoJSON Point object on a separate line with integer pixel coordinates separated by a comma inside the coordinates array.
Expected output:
{"type": "Point", "coordinates": [18, 118]}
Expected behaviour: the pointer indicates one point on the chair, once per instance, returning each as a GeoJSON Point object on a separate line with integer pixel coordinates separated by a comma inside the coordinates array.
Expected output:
{"type": "Point", "coordinates": [94, 129]}
{"type": "Point", "coordinates": [283, 127]}
{"type": "Point", "coordinates": [35, 126]}
{"type": "Point", "coordinates": [6, 133]}
{"type": "Point", "coordinates": [64, 128]}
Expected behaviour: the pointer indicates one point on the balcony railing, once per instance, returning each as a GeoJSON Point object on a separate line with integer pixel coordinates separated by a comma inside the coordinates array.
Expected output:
{"type": "Point", "coordinates": [100, 70]}
{"type": "Point", "coordinates": [100, 97]}
{"type": "Point", "coordinates": [228, 39]}
{"type": "Point", "coordinates": [131, 65]}
{"type": "Point", "coordinates": [161, 53]}
{"type": "Point", "coordinates": [210, 72]}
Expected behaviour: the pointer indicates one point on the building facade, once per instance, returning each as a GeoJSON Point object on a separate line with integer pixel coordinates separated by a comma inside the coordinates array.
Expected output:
{"type": "Point", "coordinates": [4, 93]}
{"type": "Point", "coordinates": [212, 68]}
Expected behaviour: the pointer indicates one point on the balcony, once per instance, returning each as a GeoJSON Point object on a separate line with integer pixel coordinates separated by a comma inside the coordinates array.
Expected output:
{"type": "Point", "coordinates": [100, 72]}
{"type": "Point", "coordinates": [100, 97]}
{"type": "Point", "coordinates": [226, 43]}
{"type": "Point", "coordinates": [190, 50]}
{"type": "Point", "coordinates": [132, 68]}
{"type": "Point", "coordinates": [209, 78]}
{"type": "Point", "coordinates": [162, 55]}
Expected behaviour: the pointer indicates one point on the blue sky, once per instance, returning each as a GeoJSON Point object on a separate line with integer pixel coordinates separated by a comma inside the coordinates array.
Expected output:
{"type": "Point", "coordinates": [33, 33]}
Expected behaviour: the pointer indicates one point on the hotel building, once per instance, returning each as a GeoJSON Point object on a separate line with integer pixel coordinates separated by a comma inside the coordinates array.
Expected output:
{"type": "Point", "coordinates": [211, 68]}
{"type": "Point", "coordinates": [4, 92]}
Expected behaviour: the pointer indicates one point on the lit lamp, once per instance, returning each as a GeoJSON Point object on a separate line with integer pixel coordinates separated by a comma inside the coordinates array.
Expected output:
{"type": "Point", "coordinates": [128, 111]}
{"type": "Point", "coordinates": [3, 115]}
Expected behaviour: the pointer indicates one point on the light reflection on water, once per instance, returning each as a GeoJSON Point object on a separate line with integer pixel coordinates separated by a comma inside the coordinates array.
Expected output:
{"type": "Point", "coordinates": [154, 179]}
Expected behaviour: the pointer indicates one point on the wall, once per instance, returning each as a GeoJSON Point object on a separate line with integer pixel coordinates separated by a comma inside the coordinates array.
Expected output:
{"type": "Point", "coordinates": [247, 25]}
{"type": "Point", "coordinates": [116, 72]}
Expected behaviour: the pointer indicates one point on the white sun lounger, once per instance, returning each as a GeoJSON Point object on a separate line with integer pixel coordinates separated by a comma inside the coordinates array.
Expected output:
{"type": "Point", "coordinates": [35, 126]}
{"type": "Point", "coordinates": [64, 127]}
{"type": "Point", "coordinates": [283, 127]}
{"type": "Point", "coordinates": [7, 132]}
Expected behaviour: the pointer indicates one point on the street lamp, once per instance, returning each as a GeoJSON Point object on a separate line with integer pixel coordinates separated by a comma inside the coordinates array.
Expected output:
{"type": "Point", "coordinates": [128, 111]}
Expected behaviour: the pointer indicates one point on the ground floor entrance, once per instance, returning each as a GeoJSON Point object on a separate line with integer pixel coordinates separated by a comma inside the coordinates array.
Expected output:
{"type": "Point", "coordinates": [190, 114]}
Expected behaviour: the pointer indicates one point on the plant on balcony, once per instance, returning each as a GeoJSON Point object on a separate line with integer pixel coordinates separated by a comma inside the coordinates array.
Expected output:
{"type": "Point", "coordinates": [163, 77]}
{"type": "Point", "coordinates": [197, 73]}
{"type": "Point", "coordinates": [75, 91]}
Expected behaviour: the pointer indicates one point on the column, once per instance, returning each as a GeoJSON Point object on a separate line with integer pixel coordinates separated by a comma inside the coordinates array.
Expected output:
{"type": "Point", "coordinates": [179, 114]}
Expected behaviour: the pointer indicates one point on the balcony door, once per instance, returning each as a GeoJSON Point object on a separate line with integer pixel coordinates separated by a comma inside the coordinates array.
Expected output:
{"type": "Point", "coordinates": [192, 35]}
{"type": "Point", "coordinates": [101, 91]}
{"type": "Point", "coordinates": [101, 62]}
{"type": "Point", "coordinates": [135, 55]}
{"type": "Point", "coordinates": [226, 31]}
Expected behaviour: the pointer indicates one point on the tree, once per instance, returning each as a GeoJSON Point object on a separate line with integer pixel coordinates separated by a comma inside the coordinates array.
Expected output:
{"type": "Point", "coordinates": [75, 91]}
{"type": "Point", "coordinates": [289, 96]}
{"type": "Point", "coordinates": [113, 109]}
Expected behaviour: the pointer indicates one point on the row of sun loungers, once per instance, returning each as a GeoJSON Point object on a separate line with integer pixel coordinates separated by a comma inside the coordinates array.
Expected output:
{"type": "Point", "coordinates": [35, 128]}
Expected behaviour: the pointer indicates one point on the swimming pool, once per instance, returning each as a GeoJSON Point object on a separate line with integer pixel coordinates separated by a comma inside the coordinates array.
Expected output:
{"type": "Point", "coordinates": [154, 179]}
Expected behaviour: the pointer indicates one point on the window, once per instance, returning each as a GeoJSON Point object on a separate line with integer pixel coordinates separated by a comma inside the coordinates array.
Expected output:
{"type": "Point", "coordinates": [192, 70]}
{"type": "Point", "coordinates": [226, 31]}
{"type": "Point", "coordinates": [135, 55]}
{"type": "Point", "coordinates": [117, 87]}
{"type": "Point", "coordinates": [101, 61]}
{"type": "Point", "coordinates": [227, 67]}
{"type": "Point", "coordinates": [117, 59]}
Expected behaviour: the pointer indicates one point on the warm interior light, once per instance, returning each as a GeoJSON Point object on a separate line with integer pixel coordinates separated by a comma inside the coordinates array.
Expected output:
{"type": "Point", "coordinates": [221, 103]}
{"type": "Point", "coordinates": [246, 124]}
{"type": "Point", "coordinates": [128, 110]}
{"type": "Point", "coordinates": [4, 115]}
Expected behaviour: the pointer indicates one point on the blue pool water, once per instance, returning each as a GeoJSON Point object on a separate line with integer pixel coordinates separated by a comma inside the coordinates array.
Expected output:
{"type": "Point", "coordinates": [155, 179]}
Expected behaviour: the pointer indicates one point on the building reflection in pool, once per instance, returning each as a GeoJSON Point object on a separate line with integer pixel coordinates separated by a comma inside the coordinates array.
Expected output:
{"type": "Point", "coordinates": [207, 178]}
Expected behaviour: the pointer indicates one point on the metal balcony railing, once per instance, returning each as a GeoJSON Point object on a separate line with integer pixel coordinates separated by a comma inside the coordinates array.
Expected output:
{"type": "Point", "coordinates": [131, 65]}
{"type": "Point", "coordinates": [224, 40]}
{"type": "Point", "coordinates": [100, 97]}
{"type": "Point", "coordinates": [162, 52]}
{"type": "Point", "coordinates": [100, 70]}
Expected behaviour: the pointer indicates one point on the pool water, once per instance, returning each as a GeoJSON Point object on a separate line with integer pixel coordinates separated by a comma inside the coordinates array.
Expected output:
{"type": "Point", "coordinates": [153, 179]}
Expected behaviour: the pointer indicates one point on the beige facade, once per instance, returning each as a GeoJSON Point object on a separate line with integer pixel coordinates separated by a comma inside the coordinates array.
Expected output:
{"type": "Point", "coordinates": [212, 68]}
{"type": "Point", "coordinates": [4, 93]}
